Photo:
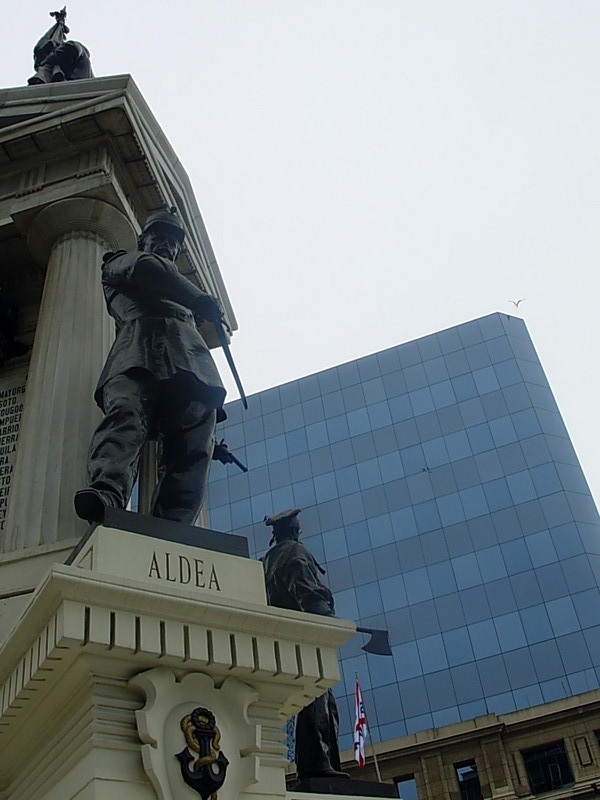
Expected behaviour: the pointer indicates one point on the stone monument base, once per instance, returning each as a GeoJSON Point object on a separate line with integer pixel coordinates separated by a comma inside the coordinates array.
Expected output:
{"type": "Point", "coordinates": [115, 651]}
{"type": "Point", "coordinates": [166, 531]}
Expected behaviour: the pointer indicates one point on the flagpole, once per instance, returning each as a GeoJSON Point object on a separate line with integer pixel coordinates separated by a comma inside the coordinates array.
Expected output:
{"type": "Point", "coordinates": [372, 742]}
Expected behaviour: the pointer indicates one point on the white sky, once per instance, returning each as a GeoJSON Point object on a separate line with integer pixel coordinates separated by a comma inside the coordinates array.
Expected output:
{"type": "Point", "coordinates": [371, 171]}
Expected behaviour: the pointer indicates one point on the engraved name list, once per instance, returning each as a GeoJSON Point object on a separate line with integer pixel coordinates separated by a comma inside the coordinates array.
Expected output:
{"type": "Point", "coordinates": [12, 396]}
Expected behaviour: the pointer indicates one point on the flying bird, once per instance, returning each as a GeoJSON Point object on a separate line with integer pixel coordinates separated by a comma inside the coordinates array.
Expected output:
{"type": "Point", "coordinates": [516, 303]}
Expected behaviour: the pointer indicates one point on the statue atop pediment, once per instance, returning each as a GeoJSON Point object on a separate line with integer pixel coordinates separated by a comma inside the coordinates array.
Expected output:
{"type": "Point", "coordinates": [56, 58]}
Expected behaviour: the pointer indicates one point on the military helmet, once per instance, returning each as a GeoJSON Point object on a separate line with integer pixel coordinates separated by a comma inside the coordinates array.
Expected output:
{"type": "Point", "coordinates": [169, 218]}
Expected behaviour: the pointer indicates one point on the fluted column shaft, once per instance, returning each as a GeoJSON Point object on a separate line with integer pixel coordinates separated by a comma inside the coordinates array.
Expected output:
{"type": "Point", "coordinates": [73, 336]}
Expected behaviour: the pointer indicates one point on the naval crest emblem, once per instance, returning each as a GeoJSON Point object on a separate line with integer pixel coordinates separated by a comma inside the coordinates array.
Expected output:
{"type": "Point", "coordinates": [208, 771]}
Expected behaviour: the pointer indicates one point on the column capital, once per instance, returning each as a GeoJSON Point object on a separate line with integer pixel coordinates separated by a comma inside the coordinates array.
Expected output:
{"type": "Point", "coordinates": [79, 215]}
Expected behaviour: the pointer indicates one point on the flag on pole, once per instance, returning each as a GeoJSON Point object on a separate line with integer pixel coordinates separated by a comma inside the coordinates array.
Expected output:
{"type": "Point", "coordinates": [360, 727]}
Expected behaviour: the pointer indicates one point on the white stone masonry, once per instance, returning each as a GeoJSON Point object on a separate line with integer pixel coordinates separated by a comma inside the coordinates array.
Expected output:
{"type": "Point", "coordinates": [73, 336]}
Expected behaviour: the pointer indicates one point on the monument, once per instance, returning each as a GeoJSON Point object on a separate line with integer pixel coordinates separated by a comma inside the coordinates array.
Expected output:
{"type": "Point", "coordinates": [149, 665]}
{"type": "Point", "coordinates": [138, 655]}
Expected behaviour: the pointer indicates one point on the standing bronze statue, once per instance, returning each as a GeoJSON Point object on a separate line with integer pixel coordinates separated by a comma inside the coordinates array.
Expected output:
{"type": "Point", "coordinates": [57, 59]}
{"type": "Point", "coordinates": [159, 381]}
{"type": "Point", "coordinates": [292, 581]}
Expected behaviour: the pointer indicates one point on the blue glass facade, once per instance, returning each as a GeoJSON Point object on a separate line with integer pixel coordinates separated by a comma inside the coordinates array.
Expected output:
{"type": "Point", "coordinates": [441, 491]}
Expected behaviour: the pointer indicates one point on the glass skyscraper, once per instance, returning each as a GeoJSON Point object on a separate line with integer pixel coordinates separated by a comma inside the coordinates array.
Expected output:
{"type": "Point", "coordinates": [440, 490]}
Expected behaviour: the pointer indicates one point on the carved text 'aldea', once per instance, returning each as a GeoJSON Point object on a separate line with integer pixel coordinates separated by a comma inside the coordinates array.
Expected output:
{"type": "Point", "coordinates": [184, 570]}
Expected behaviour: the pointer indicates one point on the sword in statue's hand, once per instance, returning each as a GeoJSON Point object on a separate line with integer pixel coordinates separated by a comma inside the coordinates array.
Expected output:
{"type": "Point", "coordinates": [217, 317]}
{"type": "Point", "coordinates": [210, 309]}
{"type": "Point", "coordinates": [226, 349]}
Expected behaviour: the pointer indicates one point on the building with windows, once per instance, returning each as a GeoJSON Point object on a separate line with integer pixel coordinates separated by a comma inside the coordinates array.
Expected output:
{"type": "Point", "coordinates": [441, 492]}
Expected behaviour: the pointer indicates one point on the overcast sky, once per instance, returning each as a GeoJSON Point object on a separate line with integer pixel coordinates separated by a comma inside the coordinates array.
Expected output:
{"type": "Point", "coordinates": [371, 171]}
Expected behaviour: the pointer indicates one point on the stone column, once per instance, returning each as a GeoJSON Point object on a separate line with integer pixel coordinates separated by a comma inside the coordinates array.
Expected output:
{"type": "Point", "coordinates": [72, 338]}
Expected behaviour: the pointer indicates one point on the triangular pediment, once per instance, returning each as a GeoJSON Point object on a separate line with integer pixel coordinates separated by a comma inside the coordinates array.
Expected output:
{"type": "Point", "coordinates": [23, 103]}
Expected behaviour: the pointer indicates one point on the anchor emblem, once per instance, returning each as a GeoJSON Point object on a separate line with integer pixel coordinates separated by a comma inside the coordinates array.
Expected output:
{"type": "Point", "coordinates": [202, 736]}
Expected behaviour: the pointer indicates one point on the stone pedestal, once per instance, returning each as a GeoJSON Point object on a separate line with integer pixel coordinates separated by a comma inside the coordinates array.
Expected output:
{"type": "Point", "coordinates": [73, 336]}
{"type": "Point", "coordinates": [116, 649]}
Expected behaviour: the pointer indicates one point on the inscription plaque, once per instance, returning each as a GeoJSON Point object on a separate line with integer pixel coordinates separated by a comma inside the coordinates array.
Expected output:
{"type": "Point", "coordinates": [12, 397]}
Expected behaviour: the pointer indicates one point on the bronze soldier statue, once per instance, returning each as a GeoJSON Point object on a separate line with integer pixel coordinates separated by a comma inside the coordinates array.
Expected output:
{"type": "Point", "coordinates": [57, 59]}
{"type": "Point", "coordinates": [292, 581]}
{"type": "Point", "coordinates": [159, 381]}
